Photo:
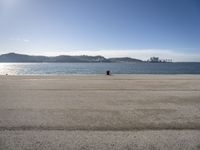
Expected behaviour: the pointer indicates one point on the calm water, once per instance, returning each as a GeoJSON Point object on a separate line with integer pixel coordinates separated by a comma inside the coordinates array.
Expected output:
{"type": "Point", "coordinates": [98, 68]}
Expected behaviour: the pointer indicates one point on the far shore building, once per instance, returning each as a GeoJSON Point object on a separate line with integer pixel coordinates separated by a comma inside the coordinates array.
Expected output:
{"type": "Point", "coordinates": [158, 60]}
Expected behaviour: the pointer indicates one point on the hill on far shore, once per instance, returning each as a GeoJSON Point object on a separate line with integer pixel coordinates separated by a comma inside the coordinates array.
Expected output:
{"type": "Point", "coordinates": [14, 57]}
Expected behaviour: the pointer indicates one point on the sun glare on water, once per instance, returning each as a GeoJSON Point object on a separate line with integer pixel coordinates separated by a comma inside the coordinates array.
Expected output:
{"type": "Point", "coordinates": [8, 68]}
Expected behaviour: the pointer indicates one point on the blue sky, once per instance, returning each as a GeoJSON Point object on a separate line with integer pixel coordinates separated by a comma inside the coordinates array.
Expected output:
{"type": "Point", "coordinates": [113, 28]}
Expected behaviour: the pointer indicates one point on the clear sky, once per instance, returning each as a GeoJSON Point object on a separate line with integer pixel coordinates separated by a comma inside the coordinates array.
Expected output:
{"type": "Point", "coordinates": [112, 28]}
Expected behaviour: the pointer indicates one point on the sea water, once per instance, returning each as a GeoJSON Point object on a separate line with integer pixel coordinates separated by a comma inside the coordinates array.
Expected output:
{"type": "Point", "coordinates": [98, 68]}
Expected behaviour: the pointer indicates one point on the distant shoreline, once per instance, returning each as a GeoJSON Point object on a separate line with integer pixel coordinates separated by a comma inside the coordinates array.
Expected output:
{"type": "Point", "coordinates": [14, 57]}
{"type": "Point", "coordinates": [104, 62]}
{"type": "Point", "coordinates": [100, 62]}
{"type": "Point", "coordinates": [23, 58]}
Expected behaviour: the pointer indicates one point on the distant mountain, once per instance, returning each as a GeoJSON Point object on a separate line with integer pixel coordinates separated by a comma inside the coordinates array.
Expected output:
{"type": "Point", "coordinates": [83, 58]}
{"type": "Point", "coordinates": [13, 57]}
{"type": "Point", "coordinates": [124, 59]}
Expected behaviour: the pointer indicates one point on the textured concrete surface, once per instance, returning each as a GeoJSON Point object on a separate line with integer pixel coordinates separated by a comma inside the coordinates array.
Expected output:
{"type": "Point", "coordinates": [100, 140]}
{"type": "Point", "coordinates": [84, 112]}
